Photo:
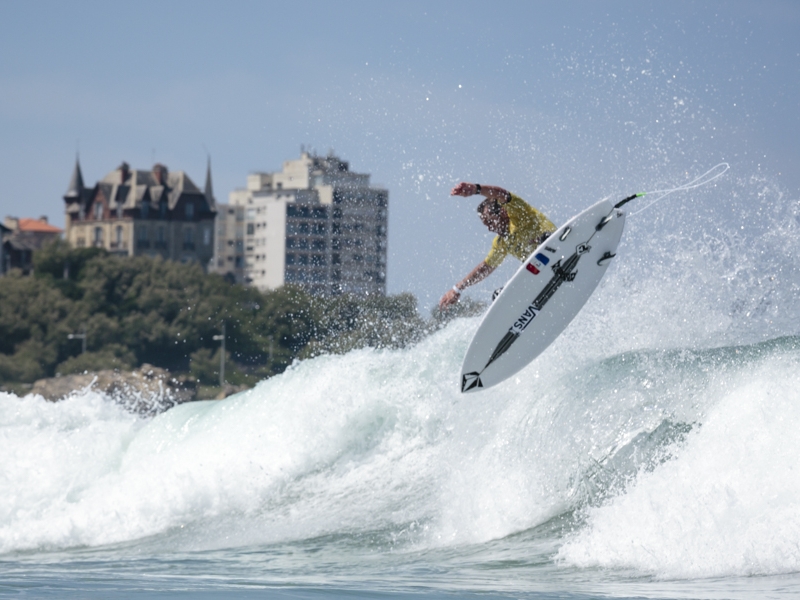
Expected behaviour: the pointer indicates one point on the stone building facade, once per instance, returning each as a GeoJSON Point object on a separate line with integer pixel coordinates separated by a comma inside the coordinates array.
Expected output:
{"type": "Point", "coordinates": [134, 212]}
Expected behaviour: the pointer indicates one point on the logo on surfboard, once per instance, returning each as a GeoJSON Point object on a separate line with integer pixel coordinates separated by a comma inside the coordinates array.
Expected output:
{"type": "Point", "coordinates": [525, 319]}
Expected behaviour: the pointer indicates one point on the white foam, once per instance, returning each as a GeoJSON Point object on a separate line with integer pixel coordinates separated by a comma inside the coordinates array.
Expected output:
{"type": "Point", "coordinates": [728, 505]}
{"type": "Point", "coordinates": [382, 441]}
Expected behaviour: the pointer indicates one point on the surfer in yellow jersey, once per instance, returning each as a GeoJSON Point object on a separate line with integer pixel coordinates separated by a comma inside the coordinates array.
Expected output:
{"type": "Point", "coordinates": [520, 228]}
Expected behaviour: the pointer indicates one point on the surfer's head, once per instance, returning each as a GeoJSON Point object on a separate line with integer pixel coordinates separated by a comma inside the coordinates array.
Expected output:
{"type": "Point", "coordinates": [494, 216]}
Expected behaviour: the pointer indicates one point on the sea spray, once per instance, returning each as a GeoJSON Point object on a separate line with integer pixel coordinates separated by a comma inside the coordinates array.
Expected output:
{"type": "Point", "coordinates": [606, 436]}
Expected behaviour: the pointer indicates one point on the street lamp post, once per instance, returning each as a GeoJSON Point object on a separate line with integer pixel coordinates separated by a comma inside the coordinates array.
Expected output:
{"type": "Point", "coordinates": [221, 338]}
{"type": "Point", "coordinates": [79, 336]}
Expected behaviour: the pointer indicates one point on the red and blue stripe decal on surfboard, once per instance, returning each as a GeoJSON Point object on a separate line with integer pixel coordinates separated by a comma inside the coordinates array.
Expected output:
{"type": "Point", "coordinates": [536, 268]}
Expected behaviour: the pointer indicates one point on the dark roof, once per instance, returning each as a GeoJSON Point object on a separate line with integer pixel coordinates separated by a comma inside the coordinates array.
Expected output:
{"type": "Point", "coordinates": [75, 183]}
{"type": "Point", "coordinates": [23, 241]}
{"type": "Point", "coordinates": [127, 188]}
{"type": "Point", "coordinates": [140, 185]}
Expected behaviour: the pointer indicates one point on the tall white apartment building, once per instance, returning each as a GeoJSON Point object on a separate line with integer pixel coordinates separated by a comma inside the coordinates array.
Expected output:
{"type": "Point", "coordinates": [315, 224]}
{"type": "Point", "coordinates": [229, 243]}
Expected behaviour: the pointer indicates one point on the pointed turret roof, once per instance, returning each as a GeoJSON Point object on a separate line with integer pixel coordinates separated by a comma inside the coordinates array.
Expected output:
{"type": "Point", "coordinates": [75, 189]}
{"type": "Point", "coordinates": [209, 189]}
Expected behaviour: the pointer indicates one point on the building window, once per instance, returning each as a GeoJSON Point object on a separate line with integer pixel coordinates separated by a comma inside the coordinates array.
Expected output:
{"type": "Point", "coordinates": [142, 241]}
{"type": "Point", "coordinates": [188, 238]}
{"type": "Point", "coordinates": [161, 241]}
{"type": "Point", "coordinates": [98, 236]}
{"type": "Point", "coordinates": [119, 235]}
{"type": "Point", "coordinates": [206, 236]}
{"type": "Point", "coordinates": [145, 209]}
{"type": "Point", "coordinates": [98, 211]}
{"type": "Point", "coordinates": [189, 211]}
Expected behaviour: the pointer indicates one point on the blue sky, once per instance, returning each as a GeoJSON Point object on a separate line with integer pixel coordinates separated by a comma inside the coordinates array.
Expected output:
{"type": "Point", "coordinates": [563, 103]}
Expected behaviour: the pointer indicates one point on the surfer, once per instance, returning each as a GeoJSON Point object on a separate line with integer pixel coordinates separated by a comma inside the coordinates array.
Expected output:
{"type": "Point", "coordinates": [520, 228]}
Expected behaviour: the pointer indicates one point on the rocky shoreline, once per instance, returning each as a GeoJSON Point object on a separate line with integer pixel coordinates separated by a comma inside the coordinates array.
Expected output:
{"type": "Point", "coordinates": [147, 390]}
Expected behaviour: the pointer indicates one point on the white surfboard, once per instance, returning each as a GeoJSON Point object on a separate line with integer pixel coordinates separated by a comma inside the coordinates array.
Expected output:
{"type": "Point", "coordinates": [543, 296]}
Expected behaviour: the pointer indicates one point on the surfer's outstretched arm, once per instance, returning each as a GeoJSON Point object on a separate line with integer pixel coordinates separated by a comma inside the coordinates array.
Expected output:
{"type": "Point", "coordinates": [493, 192]}
{"type": "Point", "coordinates": [479, 273]}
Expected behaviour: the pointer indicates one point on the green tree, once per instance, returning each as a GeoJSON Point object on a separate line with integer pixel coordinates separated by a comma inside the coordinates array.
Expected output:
{"type": "Point", "coordinates": [110, 356]}
{"type": "Point", "coordinates": [142, 309]}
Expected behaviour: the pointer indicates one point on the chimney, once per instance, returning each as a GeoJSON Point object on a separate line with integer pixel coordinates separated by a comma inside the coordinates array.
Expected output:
{"type": "Point", "coordinates": [160, 174]}
{"type": "Point", "coordinates": [43, 218]}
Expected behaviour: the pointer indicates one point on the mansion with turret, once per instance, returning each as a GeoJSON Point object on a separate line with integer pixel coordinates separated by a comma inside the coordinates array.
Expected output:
{"type": "Point", "coordinates": [134, 212]}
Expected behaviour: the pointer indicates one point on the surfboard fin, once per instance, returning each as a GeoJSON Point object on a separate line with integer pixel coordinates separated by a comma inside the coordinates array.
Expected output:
{"type": "Point", "coordinates": [605, 221]}
{"type": "Point", "coordinates": [606, 256]}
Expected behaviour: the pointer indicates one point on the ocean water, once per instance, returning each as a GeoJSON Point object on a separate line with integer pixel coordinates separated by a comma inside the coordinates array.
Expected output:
{"type": "Point", "coordinates": [650, 452]}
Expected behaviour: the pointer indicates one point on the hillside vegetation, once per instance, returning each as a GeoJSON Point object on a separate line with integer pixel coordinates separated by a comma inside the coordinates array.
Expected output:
{"type": "Point", "coordinates": [147, 310]}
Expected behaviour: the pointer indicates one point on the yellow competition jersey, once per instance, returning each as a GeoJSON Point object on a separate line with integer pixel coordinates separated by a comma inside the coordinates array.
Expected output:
{"type": "Point", "coordinates": [526, 224]}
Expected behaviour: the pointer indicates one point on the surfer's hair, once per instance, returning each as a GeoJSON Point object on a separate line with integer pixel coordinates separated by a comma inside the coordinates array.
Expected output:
{"type": "Point", "coordinates": [492, 204]}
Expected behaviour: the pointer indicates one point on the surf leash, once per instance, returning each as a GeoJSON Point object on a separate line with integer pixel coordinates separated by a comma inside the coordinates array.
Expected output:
{"type": "Point", "coordinates": [704, 179]}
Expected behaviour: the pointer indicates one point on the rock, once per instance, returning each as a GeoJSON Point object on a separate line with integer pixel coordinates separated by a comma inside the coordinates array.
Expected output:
{"type": "Point", "coordinates": [147, 390]}
{"type": "Point", "coordinates": [229, 390]}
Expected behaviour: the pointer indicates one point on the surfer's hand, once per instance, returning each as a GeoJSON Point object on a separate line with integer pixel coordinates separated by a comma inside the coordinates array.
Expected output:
{"type": "Point", "coordinates": [464, 189]}
{"type": "Point", "coordinates": [450, 298]}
